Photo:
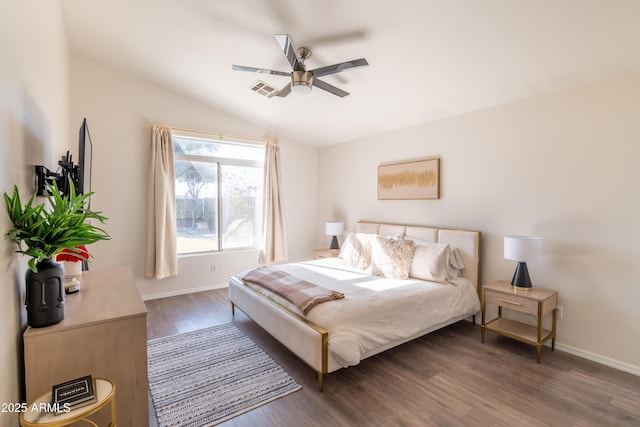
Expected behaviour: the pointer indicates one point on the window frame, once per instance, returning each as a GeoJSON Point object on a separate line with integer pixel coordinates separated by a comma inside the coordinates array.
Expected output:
{"type": "Point", "coordinates": [220, 161]}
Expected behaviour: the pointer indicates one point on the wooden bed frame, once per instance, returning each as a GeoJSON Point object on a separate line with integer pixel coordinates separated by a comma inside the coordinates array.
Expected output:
{"type": "Point", "coordinates": [310, 341]}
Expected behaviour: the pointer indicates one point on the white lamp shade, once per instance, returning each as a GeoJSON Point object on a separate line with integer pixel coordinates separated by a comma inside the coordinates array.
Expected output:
{"type": "Point", "coordinates": [522, 248]}
{"type": "Point", "coordinates": [334, 228]}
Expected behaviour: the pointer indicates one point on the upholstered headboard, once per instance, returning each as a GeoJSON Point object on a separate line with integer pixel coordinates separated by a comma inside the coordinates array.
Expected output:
{"type": "Point", "coordinates": [467, 242]}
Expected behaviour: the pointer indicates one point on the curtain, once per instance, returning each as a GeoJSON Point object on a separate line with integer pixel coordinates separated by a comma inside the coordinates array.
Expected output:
{"type": "Point", "coordinates": [274, 240]}
{"type": "Point", "coordinates": [162, 257]}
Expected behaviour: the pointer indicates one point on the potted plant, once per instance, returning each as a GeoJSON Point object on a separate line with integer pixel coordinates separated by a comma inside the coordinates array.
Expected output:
{"type": "Point", "coordinates": [41, 233]}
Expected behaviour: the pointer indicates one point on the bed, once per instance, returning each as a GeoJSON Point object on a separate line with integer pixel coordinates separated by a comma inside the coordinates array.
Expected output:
{"type": "Point", "coordinates": [378, 311]}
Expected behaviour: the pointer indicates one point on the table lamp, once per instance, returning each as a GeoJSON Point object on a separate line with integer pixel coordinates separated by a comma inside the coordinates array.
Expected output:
{"type": "Point", "coordinates": [334, 229]}
{"type": "Point", "coordinates": [522, 249]}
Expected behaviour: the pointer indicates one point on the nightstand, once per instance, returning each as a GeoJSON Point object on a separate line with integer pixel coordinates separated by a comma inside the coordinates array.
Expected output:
{"type": "Point", "coordinates": [534, 301]}
{"type": "Point", "coordinates": [325, 253]}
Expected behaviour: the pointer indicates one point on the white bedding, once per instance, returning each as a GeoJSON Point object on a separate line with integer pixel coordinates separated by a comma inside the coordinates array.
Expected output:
{"type": "Point", "coordinates": [376, 310]}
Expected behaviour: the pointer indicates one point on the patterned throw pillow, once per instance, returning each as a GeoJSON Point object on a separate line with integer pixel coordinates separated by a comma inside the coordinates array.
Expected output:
{"type": "Point", "coordinates": [391, 257]}
{"type": "Point", "coordinates": [356, 250]}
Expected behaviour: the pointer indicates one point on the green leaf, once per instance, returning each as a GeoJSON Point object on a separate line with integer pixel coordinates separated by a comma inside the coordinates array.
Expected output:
{"type": "Point", "coordinates": [45, 233]}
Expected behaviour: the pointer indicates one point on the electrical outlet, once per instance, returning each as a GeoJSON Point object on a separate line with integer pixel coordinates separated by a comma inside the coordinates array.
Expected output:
{"type": "Point", "coordinates": [559, 312]}
{"type": "Point", "coordinates": [213, 268]}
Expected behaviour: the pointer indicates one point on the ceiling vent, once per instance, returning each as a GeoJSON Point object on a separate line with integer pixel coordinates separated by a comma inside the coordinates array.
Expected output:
{"type": "Point", "coordinates": [264, 89]}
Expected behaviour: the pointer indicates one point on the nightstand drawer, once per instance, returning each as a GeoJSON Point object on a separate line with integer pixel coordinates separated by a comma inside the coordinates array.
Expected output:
{"type": "Point", "coordinates": [510, 301]}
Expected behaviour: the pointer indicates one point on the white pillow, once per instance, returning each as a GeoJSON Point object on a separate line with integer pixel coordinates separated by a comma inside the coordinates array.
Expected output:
{"type": "Point", "coordinates": [391, 257]}
{"type": "Point", "coordinates": [456, 265]}
{"type": "Point", "coordinates": [436, 262]}
{"type": "Point", "coordinates": [356, 250]}
{"type": "Point", "coordinates": [430, 261]}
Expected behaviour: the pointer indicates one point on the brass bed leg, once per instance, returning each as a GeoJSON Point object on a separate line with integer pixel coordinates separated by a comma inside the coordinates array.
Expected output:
{"type": "Point", "coordinates": [324, 348]}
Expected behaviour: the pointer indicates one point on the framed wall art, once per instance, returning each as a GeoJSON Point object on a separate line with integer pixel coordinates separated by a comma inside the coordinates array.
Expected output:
{"type": "Point", "coordinates": [409, 180]}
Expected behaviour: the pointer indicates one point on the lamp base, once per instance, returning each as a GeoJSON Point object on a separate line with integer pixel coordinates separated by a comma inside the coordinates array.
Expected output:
{"type": "Point", "coordinates": [334, 244]}
{"type": "Point", "coordinates": [521, 277]}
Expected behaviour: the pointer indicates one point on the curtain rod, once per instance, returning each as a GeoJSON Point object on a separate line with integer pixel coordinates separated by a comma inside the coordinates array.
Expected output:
{"type": "Point", "coordinates": [220, 136]}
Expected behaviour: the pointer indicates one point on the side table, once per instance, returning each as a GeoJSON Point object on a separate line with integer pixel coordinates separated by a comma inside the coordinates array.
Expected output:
{"type": "Point", "coordinates": [325, 253]}
{"type": "Point", "coordinates": [36, 414]}
{"type": "Point", "coordinates": [534, 301]}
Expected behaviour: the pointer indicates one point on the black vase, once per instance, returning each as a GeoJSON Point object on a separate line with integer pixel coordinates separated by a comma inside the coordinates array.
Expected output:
{"type": "Point", "coordinates": [45, 294]}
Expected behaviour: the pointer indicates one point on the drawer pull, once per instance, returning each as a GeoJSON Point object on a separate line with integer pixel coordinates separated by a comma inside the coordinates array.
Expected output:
{"type": "Point", "coordinates": [509, 302]}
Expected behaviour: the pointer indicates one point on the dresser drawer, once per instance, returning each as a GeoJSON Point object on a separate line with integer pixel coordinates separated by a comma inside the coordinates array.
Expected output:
{"type": "Point", "coordinates": [511, 301]}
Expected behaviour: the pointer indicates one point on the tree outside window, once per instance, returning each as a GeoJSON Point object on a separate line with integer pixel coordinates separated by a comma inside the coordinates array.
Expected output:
{"type": "Point", "coordinates": [218, 194]}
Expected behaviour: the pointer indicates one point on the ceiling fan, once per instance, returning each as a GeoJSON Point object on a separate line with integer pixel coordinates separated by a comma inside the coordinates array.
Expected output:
{"type": "Point", "coordinates": [301, 79]}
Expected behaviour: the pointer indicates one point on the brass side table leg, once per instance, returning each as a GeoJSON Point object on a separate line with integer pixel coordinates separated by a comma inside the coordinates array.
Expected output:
{"type": "Point", "coordinates": [484, 306]}
{"type": "Point", "coordinates": [539, 335]}
{"type": "Point", "coordinates": [113, 411]}
{"type": "Point", "coordinates": [553, 330]}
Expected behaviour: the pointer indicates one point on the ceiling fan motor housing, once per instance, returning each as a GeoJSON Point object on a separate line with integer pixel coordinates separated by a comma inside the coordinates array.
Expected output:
{"type": "Point", "coordinates": [301, 78]}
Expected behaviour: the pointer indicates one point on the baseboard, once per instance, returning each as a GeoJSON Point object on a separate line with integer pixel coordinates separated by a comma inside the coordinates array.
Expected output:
{"type": "Point", "coordinates": [184, 291]}
{"type": "Point", "coordinates": [612, 363]}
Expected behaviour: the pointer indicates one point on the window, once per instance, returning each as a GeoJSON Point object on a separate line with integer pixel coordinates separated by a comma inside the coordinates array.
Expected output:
{"type": "Point", "coordinates": [218, 194]}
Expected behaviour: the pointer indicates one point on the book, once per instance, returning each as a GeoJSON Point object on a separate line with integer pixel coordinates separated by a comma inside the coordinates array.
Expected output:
{"type": "Point", "coordinates": [74, 393]}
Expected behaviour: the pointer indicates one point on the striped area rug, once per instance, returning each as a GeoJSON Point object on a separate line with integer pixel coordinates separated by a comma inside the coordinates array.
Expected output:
{"type": "Point", "coordinates": [205, 377]}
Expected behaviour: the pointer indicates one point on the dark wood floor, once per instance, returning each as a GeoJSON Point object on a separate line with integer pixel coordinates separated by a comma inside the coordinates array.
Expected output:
{"type": "Point", "coordinates": [447, 378]}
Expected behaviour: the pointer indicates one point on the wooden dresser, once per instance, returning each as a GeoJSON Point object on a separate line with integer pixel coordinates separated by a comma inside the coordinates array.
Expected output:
{"type": "Point", "coordinates": [104, 334]}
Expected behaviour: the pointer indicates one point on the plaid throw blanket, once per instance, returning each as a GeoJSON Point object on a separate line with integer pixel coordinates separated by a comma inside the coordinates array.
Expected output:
{"type": "Point", "coordinates": [305, 295]}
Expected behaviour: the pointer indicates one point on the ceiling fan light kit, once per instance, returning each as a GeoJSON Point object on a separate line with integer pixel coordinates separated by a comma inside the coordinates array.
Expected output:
{"type": "Point", "coordinates": [302, 80]}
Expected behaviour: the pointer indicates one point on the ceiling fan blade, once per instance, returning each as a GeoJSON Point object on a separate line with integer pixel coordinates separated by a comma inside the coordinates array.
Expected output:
{"type": "Point", "coordinates": [284, 91]}
{"type": "Point", "coordinates": [260, 70]}
{"type": "Point", "coordinates": [290, 51]}
{"type": "Point", "coordinates": [336, 68]}
{"type": "Point", "coordinates": [329, 88]}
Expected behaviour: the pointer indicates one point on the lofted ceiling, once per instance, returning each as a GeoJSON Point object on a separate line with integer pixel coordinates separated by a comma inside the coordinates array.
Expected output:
{"type": "Point", "coordinates": [428, 59]}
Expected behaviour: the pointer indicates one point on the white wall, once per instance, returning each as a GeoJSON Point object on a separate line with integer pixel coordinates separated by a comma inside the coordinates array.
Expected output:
{"type": "Point", "coordinates": [120, 110]}
{"type": "Point", "coordinates": [34, 117]}
{"type": "Point", "coordinates": [563, 167]}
